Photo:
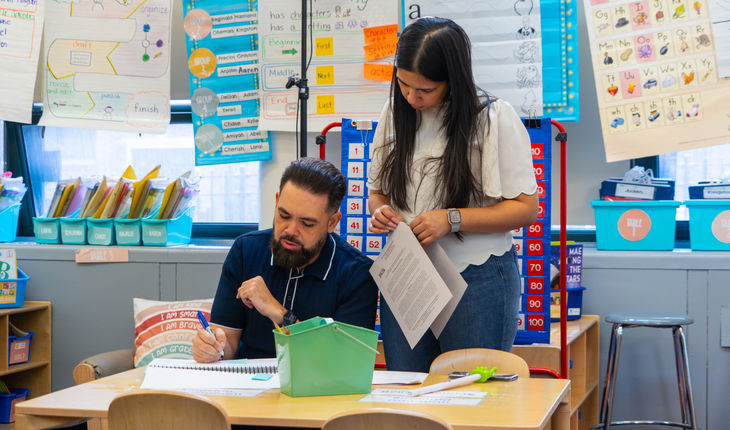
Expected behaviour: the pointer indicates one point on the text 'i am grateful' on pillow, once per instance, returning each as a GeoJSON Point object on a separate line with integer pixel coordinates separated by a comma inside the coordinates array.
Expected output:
{"type": "Point", "coordinates": [166, 329]}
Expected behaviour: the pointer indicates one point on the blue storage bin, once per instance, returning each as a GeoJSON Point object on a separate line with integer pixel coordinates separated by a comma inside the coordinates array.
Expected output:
{"type": "Point", "coordinates": [635, 225]}
{"type": "Point", "coordinates": [709, 225]}
{"type": "Point", "coordinates": [9, 223]}
{"type": "Point", "coordinates": [100, 231]}
{"type": "Point", "coordinates": [168, 232]}
{"type": "Point", "coordinates": [73, 230]}
{"type": "Point", "coordinates": [574, 307]}
{"type": "Point", "coordinates": [128, 232]}
{"type": "Point", "coordinates": [8, 401]}
{"type": "Point", "coordinates": [12, 291]}
{"type": "Point", "coordinates": [46, 230]}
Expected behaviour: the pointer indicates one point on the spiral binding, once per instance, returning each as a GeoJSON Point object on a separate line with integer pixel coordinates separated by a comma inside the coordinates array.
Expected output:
{"type": "Point", "coordinates": [249, 368]}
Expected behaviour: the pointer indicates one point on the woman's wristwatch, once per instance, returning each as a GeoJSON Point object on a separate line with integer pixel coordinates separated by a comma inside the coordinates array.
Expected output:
{"type": "Point", "coordinates": [454, 217]}
{"type": "Point", "coordinates": [289, 318]}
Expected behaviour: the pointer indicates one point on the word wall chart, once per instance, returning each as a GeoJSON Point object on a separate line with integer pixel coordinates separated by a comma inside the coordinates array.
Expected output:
{"type": "Point", "coordinates": [338, 50]}
{"type": "Point", "coordinates": [656, 73]}
{"type": "Point", "coordinates": [223, 61]}
{"type": "Point", "coordinates": [532, 243]}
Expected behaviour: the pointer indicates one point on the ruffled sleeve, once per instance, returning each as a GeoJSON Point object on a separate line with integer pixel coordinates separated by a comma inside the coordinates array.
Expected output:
{"type": "Point", "coordinates": [507, 169]}
{"type": "Point", "coordinates": [383, 134]}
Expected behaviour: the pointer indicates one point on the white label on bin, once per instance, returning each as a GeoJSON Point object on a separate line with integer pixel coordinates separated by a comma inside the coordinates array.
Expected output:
{"type": "Point", "coordinates": [635, 191]}
{"type": "Point", "coordinates": [19, 345]}
{"type": "Point", "coordinates": [126, 233]}
{"type": "Point", "coordinates": [573, 311]}
{"type": "Point", "coordinates": [155, 233]}
{"type": "Point", "coordinates": [46, 230]}
{"type": "Point", "coordinates": [716, 193]}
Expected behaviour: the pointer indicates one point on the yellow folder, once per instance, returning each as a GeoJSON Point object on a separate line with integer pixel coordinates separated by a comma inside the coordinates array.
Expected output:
{"type": "Point", "coordinates": [68, 193]}
{"type": "Point", "coordinates": [140, 189]}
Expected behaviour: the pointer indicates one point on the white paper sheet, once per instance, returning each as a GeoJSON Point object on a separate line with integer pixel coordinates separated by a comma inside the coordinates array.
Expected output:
{"type": "Point", "coordinates": [107, 65]}
{"type": "Point", "coordinates": [391, 377]}
{"type": "Point", "coordinates": [410, 283]}
{"type": "Point", "coordinates": [453, 279]}
{"type": "Point", "coordinates": [454, 398]}
{"type": "Point", "coordinates": [21, 27]}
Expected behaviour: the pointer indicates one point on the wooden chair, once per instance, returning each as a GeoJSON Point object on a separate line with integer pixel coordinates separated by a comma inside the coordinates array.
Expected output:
{"type": "Point", "coordinates": [156, 410]}
{"type": "Point", "coordinates": [465, 360]}
{"type": "Point", "coordinates": [104, 364]}
{"type": "Point", "coordinates": [384, 419]}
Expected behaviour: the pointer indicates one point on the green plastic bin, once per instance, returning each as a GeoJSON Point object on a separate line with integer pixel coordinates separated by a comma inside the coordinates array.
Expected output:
{"type": "Point", "coordinates": [322, 357]}
{"type": "Point", "coordinates": [100, 231]}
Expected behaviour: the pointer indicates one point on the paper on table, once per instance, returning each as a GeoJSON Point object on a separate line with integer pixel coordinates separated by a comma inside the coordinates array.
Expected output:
{"type": "Point", "coordinates": [410, 283]}
{"type": "Point", "coordinates": [453, 279]}
{"type": "Point", "coordinates": [390, 377]}
{"type": "Point", "coordinates": [162, 378]}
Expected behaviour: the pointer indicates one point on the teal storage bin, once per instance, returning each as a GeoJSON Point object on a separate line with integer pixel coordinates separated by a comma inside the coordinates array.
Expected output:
{"type": "Point", "coordinates": [635, 225]}
{"type": "Point", "coordinates": [9, 223]}
{"type": "Point", "coordinates": [47, 230]}
{"type": "Point", "coordinates": [128, 232]}
{"type": "Point", "coordinates": [709, 225]}
{"type": "Point", "coordinates": [73, 231]}
{"type": "Point", "coordinates": [168, 232]}
{"type": "Point", "coordinates": [100, 231]}
{"type": "Point", "coordinates": [322, 357]}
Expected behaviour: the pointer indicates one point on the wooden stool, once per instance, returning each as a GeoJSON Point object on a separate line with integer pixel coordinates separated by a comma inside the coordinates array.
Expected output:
{"type": "Point", "coordinates": [680, 354]}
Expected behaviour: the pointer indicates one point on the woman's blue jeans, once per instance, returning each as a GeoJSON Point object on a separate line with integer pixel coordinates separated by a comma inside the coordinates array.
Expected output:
{"type": "Point", "coordinates": [486, 317]}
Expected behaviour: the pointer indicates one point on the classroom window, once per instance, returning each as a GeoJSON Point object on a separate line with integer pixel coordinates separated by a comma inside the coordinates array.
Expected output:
{"type": "Point", "coordinates": [689, 167]}
{"type": "Point", "coordinates": [229, 193]}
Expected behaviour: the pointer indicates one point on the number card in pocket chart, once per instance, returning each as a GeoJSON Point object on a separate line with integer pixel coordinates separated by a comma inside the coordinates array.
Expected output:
{"type": "Point", "coordinates": [357, 136]}
{"type": "Point", "coordinates": [533, 246]}
{"type": "Point", "coordinates": [656, 70]}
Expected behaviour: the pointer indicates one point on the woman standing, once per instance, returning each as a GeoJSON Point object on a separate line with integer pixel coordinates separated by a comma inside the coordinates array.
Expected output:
{"type": "Point", "coordinates": [455, 164]}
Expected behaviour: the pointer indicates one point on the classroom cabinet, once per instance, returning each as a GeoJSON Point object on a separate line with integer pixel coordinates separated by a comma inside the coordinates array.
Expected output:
{"type": "Point", "coordinates": [35, 374]}
{"type": "Point", "coordinates": [583, 365]}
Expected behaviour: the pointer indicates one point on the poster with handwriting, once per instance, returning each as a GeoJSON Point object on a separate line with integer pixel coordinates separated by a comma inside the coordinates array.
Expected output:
{"type": "Point", "coordinates": [339, 82]}
{"type": "Point", "coordinates": [21, 26]}
{"type": "Point", "coordinates": [506, 39]}
{"type": "Point", "coordinates": [656, 76]}
{"type": "Point", "coordinates": [107, 65]}
{"type": "Point", "coordinates": [223, 65]}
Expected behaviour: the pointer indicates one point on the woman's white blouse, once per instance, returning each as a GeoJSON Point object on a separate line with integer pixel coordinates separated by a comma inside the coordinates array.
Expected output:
{"type": "Point", "coordinates": [501, 161]}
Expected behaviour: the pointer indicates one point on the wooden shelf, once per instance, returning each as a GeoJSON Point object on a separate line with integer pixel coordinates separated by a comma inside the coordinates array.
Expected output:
{"type": "Point", "coordinates": [34, 374]}
{"type": "Point", "coordinates": [583, 356]}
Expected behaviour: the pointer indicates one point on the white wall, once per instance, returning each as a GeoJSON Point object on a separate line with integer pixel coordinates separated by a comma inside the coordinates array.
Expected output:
{"type": "Point", "coordinates": [585, 156]}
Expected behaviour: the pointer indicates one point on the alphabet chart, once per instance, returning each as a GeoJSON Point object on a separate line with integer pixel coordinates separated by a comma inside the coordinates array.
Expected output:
{"type": "Point", "coordinates": [656, 76]}
{"type": "Point", "coordinates": [532, 243]}
{"type": "Point", "coordinates": [223, 61]}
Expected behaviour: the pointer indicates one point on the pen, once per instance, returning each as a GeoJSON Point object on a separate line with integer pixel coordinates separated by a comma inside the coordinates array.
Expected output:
{"type": "Point", "coordinates": [207, 328]}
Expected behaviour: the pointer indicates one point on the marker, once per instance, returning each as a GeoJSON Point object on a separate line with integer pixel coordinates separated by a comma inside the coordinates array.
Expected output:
{"type": "Point", "coordinates": [207, 328]}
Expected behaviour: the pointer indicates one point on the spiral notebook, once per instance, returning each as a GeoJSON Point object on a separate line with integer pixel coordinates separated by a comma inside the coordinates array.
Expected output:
{"type": "Point", "coordinates": [179, 374]}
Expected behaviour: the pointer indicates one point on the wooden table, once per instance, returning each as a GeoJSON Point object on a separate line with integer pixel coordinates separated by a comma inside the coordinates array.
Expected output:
{"type": "Point", "coordinates": [529, 403]}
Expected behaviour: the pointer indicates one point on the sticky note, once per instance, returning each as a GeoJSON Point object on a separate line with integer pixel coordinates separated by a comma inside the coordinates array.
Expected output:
{"type": "Point", "coordinates": [378, 50]}
{"type": "Point", "coordinates": [324, 46]}
{"type": "Point", "coordinates": [325, 75]}
{"type": "Point", "coordinates": [380, 33]}
{"type": "Point", "coordinates": [377, 72]}
{"type": "Point", "coordinates": [325, 104]}
{"type": "Point", "coordinates": [262, 376]}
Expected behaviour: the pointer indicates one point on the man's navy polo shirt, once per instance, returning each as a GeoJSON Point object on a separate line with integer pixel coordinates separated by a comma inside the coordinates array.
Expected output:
{"type": "Point", "coordinates": [337, 285]}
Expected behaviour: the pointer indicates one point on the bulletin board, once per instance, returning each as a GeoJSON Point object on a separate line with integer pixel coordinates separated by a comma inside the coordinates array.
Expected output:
{"type": "Point", "coordinates": [656, 74]}
{"type": "Point", "coordinates": [532, 243]}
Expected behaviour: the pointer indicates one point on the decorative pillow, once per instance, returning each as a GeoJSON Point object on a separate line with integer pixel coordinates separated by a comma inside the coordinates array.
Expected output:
{"type": "Point", "coordinates": [166, 329]}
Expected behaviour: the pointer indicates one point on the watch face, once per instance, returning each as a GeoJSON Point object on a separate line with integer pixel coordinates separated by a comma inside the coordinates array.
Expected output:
{"type": "Point", "coordinates": [454, 217]}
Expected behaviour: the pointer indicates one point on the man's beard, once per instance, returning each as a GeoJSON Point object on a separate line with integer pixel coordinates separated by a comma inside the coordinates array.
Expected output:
{"type": "Point", "coordinates": [289, 259]}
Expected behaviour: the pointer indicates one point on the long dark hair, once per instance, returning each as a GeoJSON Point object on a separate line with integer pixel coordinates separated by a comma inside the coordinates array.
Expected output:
{"type": "Point", "coordinates": [439, 50]}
